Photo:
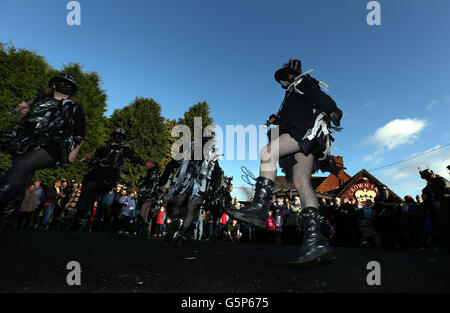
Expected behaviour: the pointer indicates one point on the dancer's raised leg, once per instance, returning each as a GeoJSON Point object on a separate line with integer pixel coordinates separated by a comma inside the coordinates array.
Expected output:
{"type": "Point", "coordinates": [256, 212]}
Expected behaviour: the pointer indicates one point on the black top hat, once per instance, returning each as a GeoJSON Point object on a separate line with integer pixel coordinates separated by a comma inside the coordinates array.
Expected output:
{"type": "Point", "coordinates": [293, 66]}
{"type": "Point", "coordinates": [66, 78]}
{"type": "Point", "coordinates": [426, 174]}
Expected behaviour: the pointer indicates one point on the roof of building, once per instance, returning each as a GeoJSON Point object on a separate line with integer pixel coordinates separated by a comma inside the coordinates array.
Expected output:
{"type": "Point", "coordinates": [339, 191]}
{"type": "Point", "coordinates": [282, 186]}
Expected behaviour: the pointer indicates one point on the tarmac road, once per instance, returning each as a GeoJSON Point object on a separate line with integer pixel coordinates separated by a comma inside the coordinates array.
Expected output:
{"type": "Point", "coordinates": [35, 261]}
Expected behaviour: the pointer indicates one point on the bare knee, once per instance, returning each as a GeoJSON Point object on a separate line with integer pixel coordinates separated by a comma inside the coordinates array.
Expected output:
{"type": "Point", "coordinates": [266, 154]}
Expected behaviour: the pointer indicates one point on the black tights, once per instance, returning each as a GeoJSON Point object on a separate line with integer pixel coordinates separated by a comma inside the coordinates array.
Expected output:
{"type": "Point", "coordinates": [90, 192]}
{"type": "Point", "coordinates": [23, 168]}
{"type": "Point", "coordinates": [302, 170]}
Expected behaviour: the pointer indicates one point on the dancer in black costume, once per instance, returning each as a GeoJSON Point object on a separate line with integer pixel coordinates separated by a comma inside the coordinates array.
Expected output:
{"type": "Point", "coordinates": [302, 147]}
{"type": "Point", "coordinates": [148, 196]}
{"type": "Point", "coordinates": [103, 174]}
{"type": "Point", "coordinates": [187, 189]}
{"type": "Point", "coordinates": [48, 132]}
{"type": "Point", "coordinates": [437, 202]}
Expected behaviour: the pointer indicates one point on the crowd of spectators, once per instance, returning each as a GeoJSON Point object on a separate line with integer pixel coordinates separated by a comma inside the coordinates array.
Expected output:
{"type": "Point", "coordinates": [382, 223]}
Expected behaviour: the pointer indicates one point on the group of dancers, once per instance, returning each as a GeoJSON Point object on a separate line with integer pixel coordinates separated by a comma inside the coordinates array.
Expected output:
{"type": "Point", "coordinates": [50, 129]}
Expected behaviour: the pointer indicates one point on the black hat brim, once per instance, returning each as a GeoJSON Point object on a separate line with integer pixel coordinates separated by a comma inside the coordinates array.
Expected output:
{"type": "Point", "coordinates": [282, 74]}
{"type": "Point", "coordinates": [59, 78]}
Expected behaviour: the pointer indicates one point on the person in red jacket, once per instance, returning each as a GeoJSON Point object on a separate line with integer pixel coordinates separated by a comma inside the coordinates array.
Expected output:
{"type": "Point", "coordinates": [270, 226]}
{"type": "Point", "coordinates": [160, 218]}
{"type": "Point", "coordinates": [223, 225]}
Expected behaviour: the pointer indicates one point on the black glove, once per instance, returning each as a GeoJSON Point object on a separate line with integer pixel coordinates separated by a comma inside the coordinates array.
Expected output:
{"type": "Point", "coordinates": [336, 116]}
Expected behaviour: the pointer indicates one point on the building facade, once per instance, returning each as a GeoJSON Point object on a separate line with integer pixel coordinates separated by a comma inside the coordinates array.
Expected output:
{"type": "Point", "coordinates": [362, 186]}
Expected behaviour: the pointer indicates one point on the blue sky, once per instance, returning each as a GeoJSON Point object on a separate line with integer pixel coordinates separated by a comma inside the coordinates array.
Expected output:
{"type": "Point", "coordinates": [391, 81]}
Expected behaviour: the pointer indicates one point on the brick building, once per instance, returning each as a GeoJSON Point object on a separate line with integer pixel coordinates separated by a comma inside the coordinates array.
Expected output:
{"type": "Point", "coordinates": [361, 186]}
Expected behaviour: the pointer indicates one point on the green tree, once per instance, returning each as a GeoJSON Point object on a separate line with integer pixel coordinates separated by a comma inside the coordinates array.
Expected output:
{"type": "Point", "coordinates": [169, 125]}
{"type": "Point", "coordinates": [200, 109]}
{"type": "Point", "coordinates": [147, 134]}
{"type": "Point", "coordinates": [23, 75]}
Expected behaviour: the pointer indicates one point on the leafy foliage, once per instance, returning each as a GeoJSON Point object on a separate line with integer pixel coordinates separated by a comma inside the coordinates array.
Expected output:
{"type": "Point", "coordinates": [25, 74]}
{"type": "Point", "coordinates": [147, 134]}
{"type": "Point", "coordinates": [201, 109]}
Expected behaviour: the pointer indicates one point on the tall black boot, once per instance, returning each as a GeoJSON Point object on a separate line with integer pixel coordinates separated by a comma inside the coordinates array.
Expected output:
{"type": "Point", "coordinates": [256, 212]}
{"type": "Point", "coordinates": [9, 205]}
{"type": "Point", "coordinates": [71, 218]}
{"type": "Point", "coordinates": [83, 223]}
{"type": "Point", "coordinates": [314, 247]}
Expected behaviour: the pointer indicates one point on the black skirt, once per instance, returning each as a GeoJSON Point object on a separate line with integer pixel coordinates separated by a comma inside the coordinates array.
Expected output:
{"type": "Point", "coordinates": [311, 128]}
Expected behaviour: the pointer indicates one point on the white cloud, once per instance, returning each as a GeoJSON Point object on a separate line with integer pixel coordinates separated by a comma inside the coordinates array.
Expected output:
{"type": "Point", "coordinates": [430, 105]}
{"type": "Point", "coordinates": [373, 158]}
{"type": "Point", "coordinates": [397, 132]}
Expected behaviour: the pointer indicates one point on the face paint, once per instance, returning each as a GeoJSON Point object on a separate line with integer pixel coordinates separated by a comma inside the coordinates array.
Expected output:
{"type": "Point", "coordinates": [64, 87]}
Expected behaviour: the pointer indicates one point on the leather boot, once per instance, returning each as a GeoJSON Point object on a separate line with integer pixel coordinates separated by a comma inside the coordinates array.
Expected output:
{"type": "Point", "coordinates": [256, 212]}
{"type": "Point", "coordinates": [9, 205]}
{"type": "Point", "coordinates": [83, 224]}
{"type": "Point", "coordinates": [314, 247]}
{"type": "Point", "coordinates": [71, 218]}
{"type": "Point", "coordinates": [180, 240]}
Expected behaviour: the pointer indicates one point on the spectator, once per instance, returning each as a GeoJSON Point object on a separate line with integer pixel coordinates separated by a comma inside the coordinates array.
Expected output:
{"type": "Point", "coordinates": [287, 204]}
{"type": "Point", "coordinates": [327, 222]}
{"type": "Point", "coordinates": [234, 231]}
{"type": "Point", "coordinates": [386, 218]}
{"type": "Point", "coordinates": [127, 212]}
{"type": "Point", "coordinates": [27, 208]}
{"type": "Point", "coordinates": [354, 203]}
{"type": "Point", "coordinates": [67, 191]}
{"type": "Point", "coordinates": [209, 223]}
{"type": "Point", "coordinates": [293, 222]}
{"type": "Point", "coordinates": [337, 203]}
{"type": "Point", "coordinates": [51, 199]}
{"type": "Point", "coordinates": [222, 224]}
{"type": "Point", "coordinates": [198, 225]}
{"type": "Point", "coordinates": [324, 209]}
{"type": "Point", "coordinates": [279, 204]}
{"type": "Point", "coordinates": [346, 225]}
{"type": "Point", "coordinates": [278, 220]}
{"type": "Point", "coordinates": [416, 218]}
{"type": "Point", "coordinates": [160, 221]}
{"type": "Point", "coordinates": [40, 198]}
{"type": "Point", "coordinates": [236, 203]}
{"type": "Point", "coordinates": [59, 207]}
{"type": "Point", "coordinates": [117, 207]}
{"type": "Point", "coordinates": [105, 211]}
{"type": "Point", "coordinates": [366, 216]}
{"type": "Point", "coordinates": [419, 199]}
{"type": "Point", "coordinates": [270, 227]}
{"type": "Point", "coordinates": [404, 220]}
